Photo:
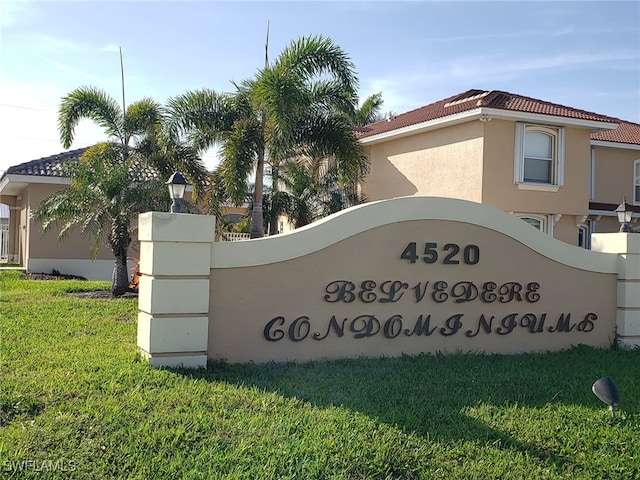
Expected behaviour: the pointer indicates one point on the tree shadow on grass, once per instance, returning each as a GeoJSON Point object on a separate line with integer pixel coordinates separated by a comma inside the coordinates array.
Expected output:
{"type": "Point", "coordinates": [432, 395]}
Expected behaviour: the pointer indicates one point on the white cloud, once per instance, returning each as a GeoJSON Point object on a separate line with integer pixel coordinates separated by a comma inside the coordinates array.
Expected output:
{"type": "Point", "coordinates": [569, 60]}
{"type": "Point", "coordinates": [14, 13]}
{"type": "Point", "coordinates": [51, 44]}
{"type": "Point", "coordinates": [422, 84]}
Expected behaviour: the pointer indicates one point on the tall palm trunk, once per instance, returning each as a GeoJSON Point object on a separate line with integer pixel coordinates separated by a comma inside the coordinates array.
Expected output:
{"type": "Point", "coordinates": [256, 213]}
{"type": "Point", "coordinates": [257, 217]}
{"type": "Point", "coordinates": [120, 277]}
{"type": "Point", "coordinates": [274, 213]}
{"type": "Point", "coordinates": [119, 241]}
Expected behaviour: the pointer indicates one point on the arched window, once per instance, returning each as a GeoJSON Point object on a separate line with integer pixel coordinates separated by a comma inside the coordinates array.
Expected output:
{"type": "Point", "coordinates": [539, 156]}
{"type": "Point", "coordinates": [537, 222]}
{"type": "Point", "coordinates": [539, 148]}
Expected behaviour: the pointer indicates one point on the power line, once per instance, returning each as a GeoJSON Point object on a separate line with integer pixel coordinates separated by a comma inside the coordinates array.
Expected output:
{"type": "Point", "coordinates": [24, 107]}
{"type": "Point", "coordinates": [75, 142]}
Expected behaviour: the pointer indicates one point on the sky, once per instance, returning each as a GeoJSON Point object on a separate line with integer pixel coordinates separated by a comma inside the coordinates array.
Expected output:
{"type": "Point", "coordinates": [584, 55]}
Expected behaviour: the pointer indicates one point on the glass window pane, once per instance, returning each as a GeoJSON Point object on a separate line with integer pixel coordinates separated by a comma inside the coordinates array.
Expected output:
{"type": "Point", "coordinates": [536, 170]}
{"type": "Point", "coordinates": [537, 144]}
{"type": "Point", "coordinates": [534, 222]}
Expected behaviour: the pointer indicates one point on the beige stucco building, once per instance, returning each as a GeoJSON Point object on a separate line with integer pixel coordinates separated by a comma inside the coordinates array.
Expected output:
{"type": "Point", "coordinates": [561, 169]}
{"type": "Point", "coordinates": [22, 188]}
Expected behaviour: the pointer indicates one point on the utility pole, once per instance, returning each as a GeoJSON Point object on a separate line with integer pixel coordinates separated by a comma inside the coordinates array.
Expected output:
{"type": "Point", "coordinates": [122, 77]}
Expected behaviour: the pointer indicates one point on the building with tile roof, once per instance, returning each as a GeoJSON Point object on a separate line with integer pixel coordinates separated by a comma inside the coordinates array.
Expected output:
{"type": "Point", "coordinates": [22, 188]}
{"type": "Point", "coordinates": [561, 169]}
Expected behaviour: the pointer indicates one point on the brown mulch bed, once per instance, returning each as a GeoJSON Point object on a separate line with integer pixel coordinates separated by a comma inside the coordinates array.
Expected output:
{"type": "Point", "coordinates": [62, 276]}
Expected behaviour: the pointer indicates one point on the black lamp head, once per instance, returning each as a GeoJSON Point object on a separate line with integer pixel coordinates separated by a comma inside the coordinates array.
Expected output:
{"type": "Point", "coordinates": [607, 391]}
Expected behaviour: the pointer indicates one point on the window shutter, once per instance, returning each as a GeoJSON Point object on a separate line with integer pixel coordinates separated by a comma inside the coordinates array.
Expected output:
{"type": "Point", "coordinates": [560, 159]}
{"type": "Point", "coordinates": [518, 155]}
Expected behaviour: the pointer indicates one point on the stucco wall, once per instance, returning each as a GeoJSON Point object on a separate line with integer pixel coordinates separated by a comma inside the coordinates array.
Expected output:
{"type": "Point", "coordinates": [612, 165]}
{"type": "Point", "coordinates": [499, 189]}
{"type": "Point", "coordinates": [566, 229]}
{"type": "Point", "coordinates": [45, 252]}
{"type": "Point", "coordinates": [475, 161]}
{"type": "Point", "coordinates": [48, 245]}
{"type": "Point", "coordinates": [445, 162]}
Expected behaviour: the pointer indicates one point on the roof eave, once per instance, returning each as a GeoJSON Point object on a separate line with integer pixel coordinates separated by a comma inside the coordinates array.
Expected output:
{"type": "Point", "coordinates": [592, 125]}
{"type": "Point", "coordinates": [475, 114]}
{"type": "Point", "coordinates": [461, 117]}
{"type": "Point", "coordinates": [605, 143]}
{"type": "Point", "coordinates": [13, 184]}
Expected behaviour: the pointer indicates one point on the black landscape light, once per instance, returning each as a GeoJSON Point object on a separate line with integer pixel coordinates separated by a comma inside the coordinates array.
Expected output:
{"type": "Point", "coordinates": [607, 391]}
{"type": "Point", "coordinates": [177, 186]}
{"type": "Point", "coordinates": [624, 215]}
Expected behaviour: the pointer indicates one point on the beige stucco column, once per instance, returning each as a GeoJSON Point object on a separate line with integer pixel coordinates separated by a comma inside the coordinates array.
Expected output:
{"type": "Point", "coordinates": [627, 246]}
{"type": "Point", "coordinates": [173, 302]}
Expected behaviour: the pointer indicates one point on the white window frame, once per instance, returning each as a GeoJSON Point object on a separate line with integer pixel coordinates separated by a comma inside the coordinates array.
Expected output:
{"type": "Point", "coordinates": [587, 228]}
{"type": "Point", "coordinates": [546, 222]}
{"type": "Point", "coordinates": [541, 219]}
{"type": "Point", "coordinates": [636, 182]}
{"type": "Point", "coordinates": [557, 168]}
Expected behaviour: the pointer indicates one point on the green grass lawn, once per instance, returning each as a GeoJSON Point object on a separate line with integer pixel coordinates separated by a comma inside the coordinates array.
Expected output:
{"type": "Point", "coordinates": [76, 402]}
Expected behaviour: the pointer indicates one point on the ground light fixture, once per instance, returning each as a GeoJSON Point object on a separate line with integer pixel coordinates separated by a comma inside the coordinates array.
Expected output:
{"type": "Point", "coordinates": [624, 215]}
{"type": "Point", "coordinates": [607, 391]}
{"type": "Point", "coordinates": [177, 186]}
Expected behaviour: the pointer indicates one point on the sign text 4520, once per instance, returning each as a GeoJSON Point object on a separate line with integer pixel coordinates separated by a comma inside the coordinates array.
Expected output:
{"type": "Point", "coordinates": [447, 254]}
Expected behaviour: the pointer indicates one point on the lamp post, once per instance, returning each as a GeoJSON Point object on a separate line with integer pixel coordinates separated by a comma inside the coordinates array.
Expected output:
{"type": "Point", "coordinates": [624, 215]}
{"type": "Point", "coordinates": [177, 186]}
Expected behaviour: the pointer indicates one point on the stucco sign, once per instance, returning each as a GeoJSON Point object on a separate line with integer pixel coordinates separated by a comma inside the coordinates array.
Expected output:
{"type": "Point", "coordinates": [385, 283]}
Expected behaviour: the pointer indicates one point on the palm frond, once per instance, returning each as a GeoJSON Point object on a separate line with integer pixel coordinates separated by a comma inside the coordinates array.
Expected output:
{"type": "Point", "coordinates": [204, 116]}
{"type": "Point", "coordinates": [240, 150]}
{"type": "Point", "coordinates": [143, 117]}
{"type": "Point", "coordinates": [332, 137]}
{"type": "Point", "coordinates": [93, 104]}
{"type": "Point", "coordinates": [310, 57]}
{"type": "Point", "coordinates": [369, 111]}
{"type": "Point", "coordinates": [329, 96]}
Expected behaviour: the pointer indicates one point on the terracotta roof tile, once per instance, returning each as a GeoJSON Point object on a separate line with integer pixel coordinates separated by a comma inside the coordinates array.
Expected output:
{"type": "Point", "coordinates": [626, 132]}
{"type": "Point", "coordinates": [473, 99]}
{"type": "Point", "coordinates": [46, 166]}
{"type": "Point", "coordinates": [52, 166]}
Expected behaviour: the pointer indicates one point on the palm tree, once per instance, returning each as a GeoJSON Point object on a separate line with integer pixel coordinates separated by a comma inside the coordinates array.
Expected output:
{"type": "Point", "coordinates": [291, 109]}
{"type": "Point", "coordinates": [307, 196]}
{"type": "Point", "coordinates": [368, 112]}
{"type": "Point", "coordinates": [104, 201]}
{"type": "Point", "coordinates": [116, 180]}
{"type": "Point", "coordinates": [137, 131]}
